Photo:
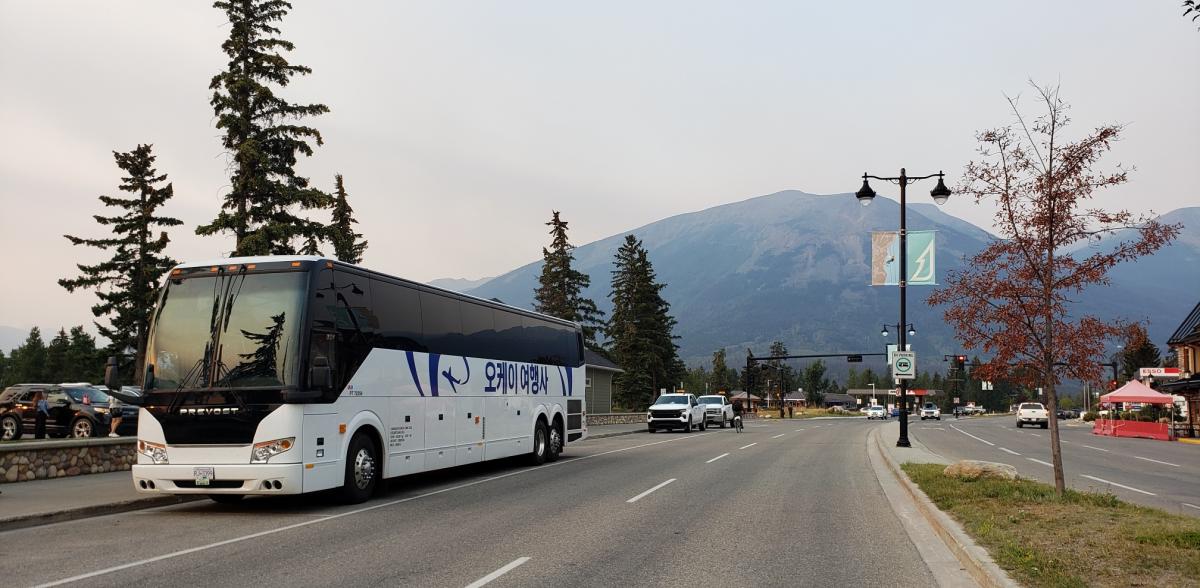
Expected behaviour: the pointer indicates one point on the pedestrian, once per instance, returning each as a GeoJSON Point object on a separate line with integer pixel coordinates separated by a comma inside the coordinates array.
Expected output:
{"type": "Point", "coordinates": [114, 412]}
{"type": "Point", "coordinates": [41, 413]}
{"type": "Point", "coordinates": [790, 410]}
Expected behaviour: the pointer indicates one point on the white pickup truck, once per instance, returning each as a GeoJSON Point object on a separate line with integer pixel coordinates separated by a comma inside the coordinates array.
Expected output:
{"type": "Point", "coordinates": [1032, 413]}
{"type": "Point", "coordinates": [717, 409]}
{"type": "Point", "coordinates": [676, 411]}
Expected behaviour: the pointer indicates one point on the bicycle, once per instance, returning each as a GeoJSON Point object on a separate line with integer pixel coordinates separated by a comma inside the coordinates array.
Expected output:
{"type": "Point", "coordinates": [737, 423]}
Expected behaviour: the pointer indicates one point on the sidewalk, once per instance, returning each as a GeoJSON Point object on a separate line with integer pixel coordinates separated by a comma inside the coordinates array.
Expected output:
{"type": "Point", "coordinates": [41, 502]}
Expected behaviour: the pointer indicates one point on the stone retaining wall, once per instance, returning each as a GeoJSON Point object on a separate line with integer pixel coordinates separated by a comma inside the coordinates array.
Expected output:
{"type": "Point", "coordinates": [22, 461]}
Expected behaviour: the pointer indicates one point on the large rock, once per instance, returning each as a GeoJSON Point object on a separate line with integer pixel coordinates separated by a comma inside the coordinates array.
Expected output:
{"type": "Point", "coordinates": [969, 469]}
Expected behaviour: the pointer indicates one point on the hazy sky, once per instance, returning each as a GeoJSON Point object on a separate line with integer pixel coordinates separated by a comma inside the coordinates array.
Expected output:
{"type": "Point", "coordinates": [460, 125]}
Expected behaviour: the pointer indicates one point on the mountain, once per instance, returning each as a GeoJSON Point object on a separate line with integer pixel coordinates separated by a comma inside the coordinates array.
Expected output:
{"type": "Point", "coordinates": [11, 338]}
{"type": "Point", "coordinates": [458, 284]}
{"type": "Point", "coordinates": [795, 267]}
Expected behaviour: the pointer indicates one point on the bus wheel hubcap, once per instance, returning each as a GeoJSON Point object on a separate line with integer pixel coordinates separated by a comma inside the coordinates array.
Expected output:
{"type": "Point", "coordinates": [364, 469]}
{"type": "Point", "coordinates": [541, 442]}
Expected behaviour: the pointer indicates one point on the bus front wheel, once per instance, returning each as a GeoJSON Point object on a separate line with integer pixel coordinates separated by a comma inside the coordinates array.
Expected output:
{"type": "Point", "coordinates": [540, 444]}
{"type": "Point", "coordinates": [362, 470]}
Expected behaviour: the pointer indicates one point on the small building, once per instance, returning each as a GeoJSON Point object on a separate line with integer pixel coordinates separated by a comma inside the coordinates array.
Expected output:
{"type": "Point", "coordinates": [833, 399]}
{"type": "Point", "coordinates": [599, 372]}
{"type": "Point", "coordinates": [1185, 342]}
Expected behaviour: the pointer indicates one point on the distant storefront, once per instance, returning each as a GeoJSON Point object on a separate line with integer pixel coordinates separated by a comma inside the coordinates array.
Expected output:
{"type": "Point", "coordinates": [1185, 342]}
{"type": "Point", "coordinates": [599, 372]}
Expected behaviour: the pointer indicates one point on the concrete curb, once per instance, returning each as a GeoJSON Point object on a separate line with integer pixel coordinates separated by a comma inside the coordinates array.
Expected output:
{"type": "Point", "coordinates": [974, 559]}
{"type": "Point", "coordinates": [39, 519]}
{"type": "Point", "coordinates": [616, 434]}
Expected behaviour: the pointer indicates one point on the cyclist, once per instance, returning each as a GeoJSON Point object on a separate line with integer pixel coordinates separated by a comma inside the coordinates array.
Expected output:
{"type": "Point", "coordinates": [737, 414]}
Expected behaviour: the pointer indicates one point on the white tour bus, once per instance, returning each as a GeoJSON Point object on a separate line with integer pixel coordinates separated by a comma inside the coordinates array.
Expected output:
{"type": "Point", "coordinates": [283, 375]}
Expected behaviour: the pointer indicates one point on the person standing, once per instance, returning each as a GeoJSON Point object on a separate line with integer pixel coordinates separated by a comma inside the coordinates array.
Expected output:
{"type": "Point", "coordinates": [41, 412]}
{"type": "Point", "coordinates": [114, 414]}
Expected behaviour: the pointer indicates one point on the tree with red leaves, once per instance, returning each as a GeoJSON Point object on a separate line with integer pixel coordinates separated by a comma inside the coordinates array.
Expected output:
{"type": "Point", "coordinates": [1013, 298]}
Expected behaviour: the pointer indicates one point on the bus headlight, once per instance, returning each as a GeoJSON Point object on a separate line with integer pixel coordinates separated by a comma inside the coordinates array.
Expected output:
{"type": "Point", "coordinates": [264, 451]}
{"type": "Point", "coordinates": [156, 452]}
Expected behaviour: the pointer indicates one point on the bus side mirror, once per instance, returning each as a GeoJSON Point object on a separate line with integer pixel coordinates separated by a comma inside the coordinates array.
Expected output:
{"type": "Point", "coordinates": [110, 373]}
{"type": "Point", "coordinates": [320, 375]}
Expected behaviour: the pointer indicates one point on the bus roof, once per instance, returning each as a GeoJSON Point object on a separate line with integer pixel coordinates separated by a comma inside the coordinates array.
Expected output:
{"type": "Point", "coordinates": [317, 259]}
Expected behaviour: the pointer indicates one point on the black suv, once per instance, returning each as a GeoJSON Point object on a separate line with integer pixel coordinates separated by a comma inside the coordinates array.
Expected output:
{"type": "Point", "coordinates": [76, 410]}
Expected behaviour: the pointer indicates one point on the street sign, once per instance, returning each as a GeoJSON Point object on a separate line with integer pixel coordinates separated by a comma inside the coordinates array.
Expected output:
{"type": "Point", "coordinates": [955, 400]}
{"type": "Point", "coordinates": [853, 359]}
{"type": "Point", "coordinates": [904, 365]}
{"type": "Point", "coordinates": [891, 350]}
{"type": "Point", "coordinates": [1159, 372]}
{"type": "Point", "coordinates": [986, 385]}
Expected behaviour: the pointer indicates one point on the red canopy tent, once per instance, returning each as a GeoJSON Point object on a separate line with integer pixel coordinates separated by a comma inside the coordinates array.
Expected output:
{"type": "Point", "coordinates": [1136, 392]}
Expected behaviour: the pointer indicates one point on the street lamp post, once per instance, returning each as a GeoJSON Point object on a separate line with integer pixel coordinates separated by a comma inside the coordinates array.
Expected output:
{"type": "Point", "coordinates": [865, 195]}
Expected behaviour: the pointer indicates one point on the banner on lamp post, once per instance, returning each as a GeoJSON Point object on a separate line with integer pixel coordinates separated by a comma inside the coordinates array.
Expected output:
{"type": "Point", "coordinates": [885, 258]}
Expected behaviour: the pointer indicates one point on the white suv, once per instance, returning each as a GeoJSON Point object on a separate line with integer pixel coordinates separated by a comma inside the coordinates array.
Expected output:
{"type": "Point", "coordinates": [1032, 413]}
{"type": "Point", "coordinates": [717, 409]}
{"type": "Point", "coordinates": [931, 411]}
{"type": "Point", "coordinates": [676, 411]}
{"type": "Point", "coordinates": [876, 412]}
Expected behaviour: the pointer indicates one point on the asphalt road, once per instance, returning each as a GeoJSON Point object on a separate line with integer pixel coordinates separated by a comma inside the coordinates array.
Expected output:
{"type": "Point", "coordinates": [1153, 473]}
{"type": "Point", "coordinates": [782, 504]}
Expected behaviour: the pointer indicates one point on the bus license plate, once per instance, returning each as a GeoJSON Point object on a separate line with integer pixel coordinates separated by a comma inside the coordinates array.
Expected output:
{"type": "Point", "coordinates": [203, 475]}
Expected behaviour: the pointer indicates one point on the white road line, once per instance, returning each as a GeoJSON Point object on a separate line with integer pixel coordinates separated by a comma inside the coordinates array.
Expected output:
{"type": "Point", "coordinates": [174, 554]}
{"type": "Point", "coordinates": [798, 430]}
{"type": "Point", "coordinates": [972, 436]}
{"type": "Point", "coordinates": [500, 572]}
{"type": "Point", "coordinates": [779, 435]}
{"type": "Point", "coordinates": [1191, 506]}
{"type": "Point", "coordinates": [1061, 440]}
{"type": "Point", "coordinates": [1036, 434]}
{"type": "Point", "coordinates": [1103, 481]}
{"type": "Point", "coordinates": [1047, 464]}
{"type": "Point", "coordinates": [1174, 465]}
{"type": "Point", "coordinates": [1009, 451]}
{"type": "Point", "coordinates": [716, 458]}
{"type": "Point", "coordinates": [748, 446]}
{"type": "Point", "coordinates": [647, 493]}
{"type": "Point", "coordinates": [1096, 448]}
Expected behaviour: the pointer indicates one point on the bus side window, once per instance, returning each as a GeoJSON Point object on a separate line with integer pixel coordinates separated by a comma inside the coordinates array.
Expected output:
{"type": "Point", "coordinates": [398, 309]}
{"type": "Point", "coordinates": [441, 322]}
{"type": "Point", "coordinates": [510, 338]}
{"type": "Point", "coordinates": [479, 331]}
{"type": "Point", "coordinates": [355, 323]}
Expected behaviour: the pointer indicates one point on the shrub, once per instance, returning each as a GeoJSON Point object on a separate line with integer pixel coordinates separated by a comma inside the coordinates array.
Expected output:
{"type": "Point", "coordinates": [1090, 416]}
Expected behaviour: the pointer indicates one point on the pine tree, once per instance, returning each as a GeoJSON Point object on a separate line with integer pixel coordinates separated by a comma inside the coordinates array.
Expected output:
{"type": "Point", "coordinates": [28, 362]}
{"type": "Point", "coordinates": [346, 244]}
{"type": "Point", "coordinates": [1139, 352]}
{"type": "Point", "coordinates": [641, 329]}
{"type": "Point", "coordinates": [3, 369]}
{"type": "Point", "coordinates": [84, 362]}
{"type": "Point", "coordinates": [127, 283]}
{"type": "Point", "coordinates": [560, 287]}
{"type": "Point", "coordinates": [56, 357]}
{"type": "Point", "coordinates": [720, 372]}
{"type": "Point", "coordinates": [261, 135]}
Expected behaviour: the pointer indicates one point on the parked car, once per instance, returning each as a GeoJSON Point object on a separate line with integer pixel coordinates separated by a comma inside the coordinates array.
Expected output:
{"type": "Point", "coordinates": [931, 411]}
{"type": "Point", "coordinates": [1032, 413]}
{"type": "Point", "coordinates": [76, 411]}
{"type": "Point", "coordinates": [895, 412]}
{"type": "Point", "coordinates": [717, 409]}
{"type": "Point", "coordinates": [676, 411]}
{"type": "Point", "coordinates": [876, 412]}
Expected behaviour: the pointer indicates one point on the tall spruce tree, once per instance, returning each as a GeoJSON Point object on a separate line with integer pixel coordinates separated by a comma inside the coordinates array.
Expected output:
{"type": "Point", "coordinates": [3, 369]}
{"type": "Point", "coordinates": [127, 283]}
{"type": "Point", "coordinates": [56, 357]}
{"type": "Point", "coordinates": [262, 136]}
{"type": "Point", "coordinates": [28, 362]}
{"type": "Point", "coordinates": [347, 245]}
{"type": "Point", "coordinates": [84, 361]}
{"type": "Point", "coordinates": [641, 329]}
{"type": "Point", "coordinates": [560, 287]}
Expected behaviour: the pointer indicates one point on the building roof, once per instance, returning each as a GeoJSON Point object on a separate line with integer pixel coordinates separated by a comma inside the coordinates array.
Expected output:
{"type": "Point", "coordinates": [1188, 329]}
{"type": "Point", "coordinates": [596, 361]}
{"type": "Point", "coordinates": [836, 397]}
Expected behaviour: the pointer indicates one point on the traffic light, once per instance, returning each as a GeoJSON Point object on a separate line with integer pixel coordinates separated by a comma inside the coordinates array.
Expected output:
{"type": "Point", "coordinates": [1112, 385]}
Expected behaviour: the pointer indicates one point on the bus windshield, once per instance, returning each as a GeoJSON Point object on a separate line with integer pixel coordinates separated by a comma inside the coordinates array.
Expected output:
{"type": "Point", "coordinates": [252, 321]}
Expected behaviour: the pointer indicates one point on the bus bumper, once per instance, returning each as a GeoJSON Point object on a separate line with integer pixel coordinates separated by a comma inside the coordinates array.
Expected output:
{"type": "Point", "coordinates": [262, 479]}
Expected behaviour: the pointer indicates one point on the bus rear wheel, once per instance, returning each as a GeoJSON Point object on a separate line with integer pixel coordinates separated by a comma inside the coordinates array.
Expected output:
{"type": "Point", "coordinates": [554, 449]}
{"type": "Point", "coordinates": [540, 443]}
{"type": "Point", "coordinates": [362, 470]}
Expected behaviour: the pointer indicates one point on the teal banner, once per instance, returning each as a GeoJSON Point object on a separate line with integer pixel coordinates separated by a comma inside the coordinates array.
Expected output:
{"type": "Point", "coordinates": [885, 255]}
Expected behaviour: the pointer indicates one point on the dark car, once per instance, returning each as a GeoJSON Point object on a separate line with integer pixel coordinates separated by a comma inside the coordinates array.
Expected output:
{"type": "Point", "coordinates": [75, 411]}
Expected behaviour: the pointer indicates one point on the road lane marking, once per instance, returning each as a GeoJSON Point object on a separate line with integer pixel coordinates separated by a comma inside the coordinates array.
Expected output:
{"type": "Point", "coordinates": [1009, 451]}
{"type": "Point", "coordinates": [647, 493]}
{"type": "Point", "coordinates": [798, 430]}
{"type": "Point", "coordinates": [1063, 441]}
{"type": "Point", "coordinates": [1096, 448]}
{"type": "Point", "coordinates": [716, 458]}
{"type": "Point", "coordinates": [1040, 461]}
{"type": "Point", "coordinates": [748, 446]}
{"type": "Point", "coordinates": [1036, 434]}
{"type": "Point", "coordinates": [1103, 481]}
{"type": "Point", "coordinates": [191, 550]}
{"type": "Point", "coordinates": [972, 436]}
{"type": "Point", "coordinates": [779, 435]}
{"type": "Point", "coordinates": [1174, 465]}
{"type": "Point", "coordinates": [500, 572]}
{"type": "Point", "coordinates": [1191, 506]}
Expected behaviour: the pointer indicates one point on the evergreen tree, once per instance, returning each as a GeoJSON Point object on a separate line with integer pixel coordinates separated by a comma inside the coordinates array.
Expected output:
{"type": "Point", "coordinates": [346, 243]}
{"type": "Point", "coordinates": [3, 369]}
{"type": "Point", "coordinates": [815, 383]}
{"type": "Point", "coordinates": [28, 362]}
{"type": "Point", "coordinates": [127, 283]}
{"type": "Point", "coordinates": [262, 362]}
{"type": "Point", "coordinates": [641, 328]}
{"type": "Point", "coordinates": [84, 362]}
{"type": "Point", "coordinates": [262, 136]}
{"type": "Point", "coordinates": [1138, 353]}
{"type": "Point", "coordinates": [56, 357]}
{"type": "Point", "coordinates": [720, 373]}
{"type": "Point", "coordinates": [560, 287]}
